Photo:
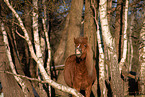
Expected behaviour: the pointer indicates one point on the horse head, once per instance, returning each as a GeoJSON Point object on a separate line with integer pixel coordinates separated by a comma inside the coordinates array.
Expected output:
{"type": "Point", "coordinates": [81, 46]}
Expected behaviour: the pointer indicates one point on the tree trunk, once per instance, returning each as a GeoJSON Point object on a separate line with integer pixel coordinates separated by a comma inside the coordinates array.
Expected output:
{"type": "Point", "coordinates": [118, 24]}
{"type": "Point", "coordinates": [41, 91]}
{"type": "Point", "coordinates": [102, 73]}
{"type": "Point", "coordinates": [73, 31]}
{"type": "Point", "coordinates": [142, 58]}
{"type": "Point", "coordinates": [89, 25]}
{"type": "Point", "coordinates": [18, 66]}
{"type": "Point", "coordinates": [8, 82]}
{"type": "Point", "coordinates": [59, 54]}
{"type": "Point", "coordinates": [74, 27]}
{"type": "Point", "coordinates": [116, 81]}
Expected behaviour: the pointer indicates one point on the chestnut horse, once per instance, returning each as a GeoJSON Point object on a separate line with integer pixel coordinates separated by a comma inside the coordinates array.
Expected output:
{"type": "Point", "coordinates": [79, 71]}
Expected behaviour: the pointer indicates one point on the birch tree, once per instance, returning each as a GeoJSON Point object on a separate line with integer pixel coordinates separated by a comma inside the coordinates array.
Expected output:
{"type": "Point", "coordinates": [116, 82]}
{"type": "Point", "coordinates": [4, 78]}
{"type": "Point", "coordinates": [142, 58]}
{"type": "Point", "coordinates": [37, 59]}
{"type": "Point", "coordinates": [102, 75]}
{"type": "Point", "coordinates": [35, 26]}
{"type": "Point", "coordinates": [123, 59]}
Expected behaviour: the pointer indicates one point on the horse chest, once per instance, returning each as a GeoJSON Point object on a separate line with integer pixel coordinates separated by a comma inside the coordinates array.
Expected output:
{"type": "Point", "coordinates": [81, 76]}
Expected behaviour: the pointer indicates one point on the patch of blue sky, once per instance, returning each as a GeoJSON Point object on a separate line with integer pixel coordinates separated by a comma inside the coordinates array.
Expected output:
{"type": "Point", "coordinates": [18, 12]}
{"type": "Point", "coordinates": [63, 8]}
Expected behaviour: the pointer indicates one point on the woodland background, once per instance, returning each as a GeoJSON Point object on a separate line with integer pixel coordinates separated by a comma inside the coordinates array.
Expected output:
{"type": "Point", "coordinates": [36, 36]}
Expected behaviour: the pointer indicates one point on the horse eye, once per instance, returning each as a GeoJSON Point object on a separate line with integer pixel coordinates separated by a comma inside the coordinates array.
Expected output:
{"type": "Point", "coordinates": [85, 45]}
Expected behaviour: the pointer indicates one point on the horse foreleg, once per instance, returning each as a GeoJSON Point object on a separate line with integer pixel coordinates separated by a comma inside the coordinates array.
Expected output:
{"type": "Point", "coordinates": [88, 91]}
{"type": "Point", "coordinates": [77, 87]}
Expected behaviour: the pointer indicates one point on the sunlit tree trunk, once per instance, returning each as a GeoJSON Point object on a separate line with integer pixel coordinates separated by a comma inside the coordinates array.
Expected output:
{"type": "Point", "coordinates": [109, 11]}
{"type": "Point", "coordinates": [118, 24]}
{"type": "Point", "coordinates": [102, 75]}
{"type": "Point", "coordinates": [47, 42]}
{"type": "Point", "coordinates": [8, 82]}
{"type": "Point", "coordinates": [29, 61]}
{"type": "Point", "coordinates": [142, 58]}
{"type": "Point", "coordinates": [90, 31]}
{"type": "Point", "coordinates": [18, 64]}
{"type": "Point", "coordinates": [125, 40]}
{"type": "Point", "coordinates": [18, 79]}
{"type": "Point", "coordinates": [130, 47]}
{"type": "Point", "coordinates": [74, 25]}
{"type": "Point", "coordinates": [116, 81]}
{"type": "Point", "coordinates": [123, 59]}
{"type": "Point", "coordinates": [28, 25]}
{"type": "Point", "coordinates": [41, 91]}
{"type": "Point", "coordinates": [89, 25]}
{"type": "Point", "coordinates": [16, 56]}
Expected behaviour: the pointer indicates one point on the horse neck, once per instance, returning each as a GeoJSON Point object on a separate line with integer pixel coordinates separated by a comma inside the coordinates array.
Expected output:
{"type": "Point", "coordinates": [89, 61]}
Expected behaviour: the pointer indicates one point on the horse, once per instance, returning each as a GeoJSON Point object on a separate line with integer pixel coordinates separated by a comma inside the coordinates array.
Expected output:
{"type": "Point", "coordinates": [79, 71]}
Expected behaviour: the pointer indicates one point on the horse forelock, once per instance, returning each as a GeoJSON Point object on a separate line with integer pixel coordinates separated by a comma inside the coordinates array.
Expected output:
{"type": "Point", "coordinates": [81, 40]}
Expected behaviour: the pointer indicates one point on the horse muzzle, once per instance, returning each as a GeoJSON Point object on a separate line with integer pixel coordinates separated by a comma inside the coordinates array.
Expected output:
{"type": "Point", "coordinates": [78, 52]}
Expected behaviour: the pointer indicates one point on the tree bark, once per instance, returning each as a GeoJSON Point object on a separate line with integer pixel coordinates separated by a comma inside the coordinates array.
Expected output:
{"type": "Point", "coordinates": [10, 62]}
{"type": "Point", "coordinates": [59, 54]}
{"type": "Point", "coordinates": [102, 73]}
{"type": "Point", "coordinates": [118, 24]}
{"type": "Point", "coordinates": [142, 58]}
{"type": "Point", "coordinates": [89, 25]}
{"type": "Point", "coordinates": [74, 27]}
{"type": "Point", "coordinates": [116, 81]}
{"type": "Point", "coordinates": [8, 81]}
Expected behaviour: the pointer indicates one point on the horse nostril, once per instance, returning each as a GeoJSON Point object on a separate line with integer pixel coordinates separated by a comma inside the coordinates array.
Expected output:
{"type": "Point", "coordinates": [78, 52]}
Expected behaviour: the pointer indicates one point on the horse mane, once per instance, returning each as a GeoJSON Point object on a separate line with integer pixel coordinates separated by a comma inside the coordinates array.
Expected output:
{"type": "Point", "coordinates": [89, 60]}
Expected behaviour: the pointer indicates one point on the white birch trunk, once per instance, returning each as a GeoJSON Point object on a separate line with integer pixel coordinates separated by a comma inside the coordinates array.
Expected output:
{"type": "Point", "coordinates": [142, 58]}
{"type": "Point", "coordinates": [35, 29]}
{"type": "Point", "coordinates": [47, 42]}
{"type": "Point", "coordinates": [18, 79]}
{"type": "Point", "coordinates": [39, 60]}
{"type": "Point", "coordinates": [101, 66]}
{"type": "Point", "coordinates": [124, 55]}
{"type": "Point", "coordinates": [116, 82]}
{"type": "Point", "coordinates": [123, 59]}
{"type": "Point", "coordinates": [47, 37]}
{"type": "Point", "coordinates": [37, 42]}
{"type": "Point", "coordinates": [102, 76]}
{"type": "Point", "coordinates": [130, 46]}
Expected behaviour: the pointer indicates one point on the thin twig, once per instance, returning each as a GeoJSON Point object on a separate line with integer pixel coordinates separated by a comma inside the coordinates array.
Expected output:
{"type": "Point", "coordinates": [25, 77]}
{"type": "Point", "coordinates": [20, 34]}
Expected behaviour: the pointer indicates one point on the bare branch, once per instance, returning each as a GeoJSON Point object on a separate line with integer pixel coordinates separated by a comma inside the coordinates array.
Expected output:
{"type": "Point", "coordinates": [25, 77]}
{"type": "Point", "coordinates": [20, 34]}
